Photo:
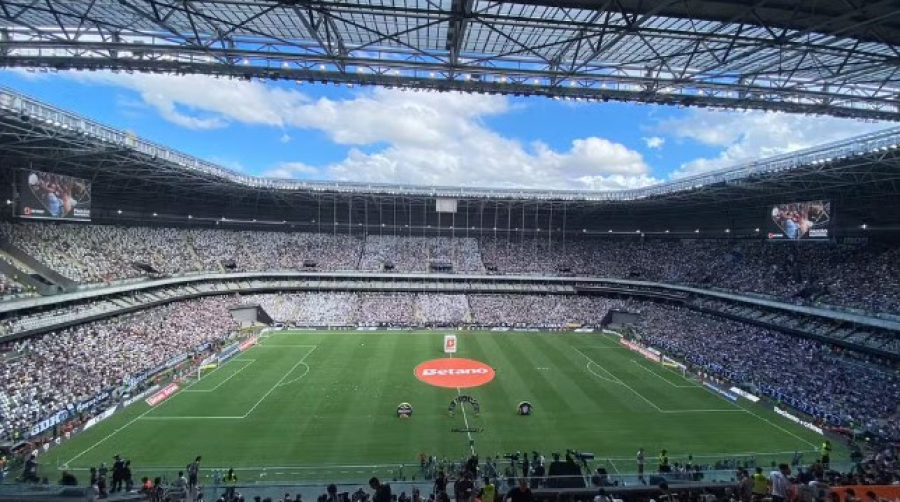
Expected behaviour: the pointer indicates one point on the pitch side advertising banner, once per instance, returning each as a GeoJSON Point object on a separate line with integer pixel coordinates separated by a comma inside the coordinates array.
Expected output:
{"type": "Point", "coordinates": [800, 221]}
{"type": "Point", "coordinates": [53, 196]}
{"type": "Point", "coordinates": [162, 395]}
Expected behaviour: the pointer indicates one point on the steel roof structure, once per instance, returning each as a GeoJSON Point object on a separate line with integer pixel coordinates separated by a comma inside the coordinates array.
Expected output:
{"type": "Point", "coordinates": [860, 174]}
{"type": "Point", "coordinates": [837, 57]}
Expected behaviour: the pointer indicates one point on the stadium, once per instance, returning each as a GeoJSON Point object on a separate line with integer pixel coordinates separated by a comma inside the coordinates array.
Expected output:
{"type": "Point", "coordinates": [173, 328]}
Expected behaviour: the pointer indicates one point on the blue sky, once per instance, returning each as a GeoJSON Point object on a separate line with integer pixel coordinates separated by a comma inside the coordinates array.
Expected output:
{"type": "Point", "coordinates": [375, 134]}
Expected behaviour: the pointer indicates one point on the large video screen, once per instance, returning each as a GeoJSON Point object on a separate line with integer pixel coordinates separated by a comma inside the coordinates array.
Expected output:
{"type": "Point", "coordinates": [801, 220]}
{"type": "Point", "coordinates": [53, 196]}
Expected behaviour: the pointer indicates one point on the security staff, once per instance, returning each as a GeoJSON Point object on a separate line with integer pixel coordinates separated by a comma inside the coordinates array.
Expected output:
{"type": "Point", "coordinates": [760, 483]}
{"type": "Point", "coordinates": [826, 453]}
{"type": "Point", "coordinates": [230, 484]}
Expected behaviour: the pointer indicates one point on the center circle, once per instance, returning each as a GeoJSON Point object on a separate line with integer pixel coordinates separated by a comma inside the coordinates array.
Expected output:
{"type": "Point", "coordinates": [452, 372]}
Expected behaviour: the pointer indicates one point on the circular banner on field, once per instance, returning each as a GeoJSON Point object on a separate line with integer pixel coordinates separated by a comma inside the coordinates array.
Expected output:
{"type": "Point", "coordinates": [454, 373]}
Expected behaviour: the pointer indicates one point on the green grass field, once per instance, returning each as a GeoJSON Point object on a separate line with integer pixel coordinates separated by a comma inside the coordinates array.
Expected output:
{"type": "Point", "coordinates": [319, 404]}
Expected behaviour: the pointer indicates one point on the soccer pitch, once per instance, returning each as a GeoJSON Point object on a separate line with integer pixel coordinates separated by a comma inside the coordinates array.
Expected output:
{"type": "Point", "coordinates": [322, 405]}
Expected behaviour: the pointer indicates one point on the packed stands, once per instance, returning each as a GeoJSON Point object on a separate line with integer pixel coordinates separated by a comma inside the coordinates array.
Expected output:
{"type": "Point", "coordinates": [385, 309]}
{"type": "Point", "coordinates": [820, 380]}
{"type": "Point", "coordinates": [862, 276]}
{"type": "Point", "coordinates": [46, 374]}
{"type": "Point", "coordinates": [443, 309]}
{"type": "Point", "coordinates": [540, 311]}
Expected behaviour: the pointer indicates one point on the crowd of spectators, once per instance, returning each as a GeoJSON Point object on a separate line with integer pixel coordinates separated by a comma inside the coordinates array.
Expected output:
{"type": "Point", "coordinates": [48, 373]}
{"type": "Point", "coordinates": [540, 311]}
{"type": "Point", "coordinates": [9, 287]}
{"type": "Point", "coordinates": [809, 375]}
{"type": "Point", "coordinates": [374, 309]}
{"type": "Point", "coordinates": [443, 309]}
{"type": "Point", "coordinates": [398, 309]}
{"type": "Point", "coordinates": [859, 275]}
{"type": "Point", "coordinates": [312, 309]}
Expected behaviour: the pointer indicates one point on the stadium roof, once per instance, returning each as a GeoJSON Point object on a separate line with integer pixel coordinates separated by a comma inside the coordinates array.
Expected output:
{"type": "Point", "coordinates": [861, 173]}
{"type": "Point", "coordinates": [815, 56]}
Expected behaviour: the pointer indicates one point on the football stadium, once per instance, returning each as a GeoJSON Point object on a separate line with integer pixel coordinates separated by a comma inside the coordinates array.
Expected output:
{"type": "Point", "coordinates": [514, 322]}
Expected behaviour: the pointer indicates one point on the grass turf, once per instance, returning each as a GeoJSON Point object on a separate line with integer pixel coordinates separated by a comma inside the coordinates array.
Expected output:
{"type": "Point", "coordinates": [319, 404]}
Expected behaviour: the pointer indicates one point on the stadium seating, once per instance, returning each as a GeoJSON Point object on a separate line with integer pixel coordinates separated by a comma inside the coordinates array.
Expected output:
{"type": "Point", "coordinates": [861, 276]}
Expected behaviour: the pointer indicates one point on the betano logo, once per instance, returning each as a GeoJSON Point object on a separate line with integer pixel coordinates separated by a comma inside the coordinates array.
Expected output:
{"type": "Point", "coordinates": [452, 372]}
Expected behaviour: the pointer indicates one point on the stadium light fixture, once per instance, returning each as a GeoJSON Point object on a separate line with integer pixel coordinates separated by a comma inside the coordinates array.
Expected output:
{"type": "Point", "coordinates": [119, 211]}
{"type": "Point", "coordinates": [727, 230]}
{"type": "Point", "coordinates": [756, 230]}
{"type": "Point", "coordinates": [864, 226]}
{"type": "Point", "coordinates": [609, 231]}
{"type": "Point", "coordinates": [667, 231]}
{"type": "Point", "coordinates": [155, 215]}
{"type": "Point", "coordinates": [190, 217]}
{"type": "Point", "coordinates": [8, 202]}
{"type": "Point", "coordinates": [697, 231]}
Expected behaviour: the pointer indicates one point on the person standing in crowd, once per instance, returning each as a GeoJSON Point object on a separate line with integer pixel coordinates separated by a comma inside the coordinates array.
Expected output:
{"type": "Point", "coordinates": [465, 488]}
{"type": "Point", "coordinates": [521, 493]}
{"type": "Point", "coordinates": [382, 491]}
{"type": "Point", "coordinates": [781, 485]}
{"type": "Point", "coordinates": [745, 486]}
{"type": "Point", "coordinates": [489, 491]}
{"type": "Point", "coordinates": [664, 461]}
{"type": "Point", "coordinates": [826, 454]}
{"type": "Point", "coordinates": [127, 476]}
{"type": "Point", "coordinates": [93, 492]}
{"type": "Point", "coordinates": [193, 471]}
{"type": "Point", "coordinates": [640, 464]}
{"type": "Point", "coordinates": [68, 479]}
{"type": "Point", "coordinates": [30, 474]}
{"type": "Point", "coordinates": [117, 471]}
{"type": "Point", "coordinates": [230, 484]}
{"type": "Point", "coordinates": [440, 483]}
{"type": "Point", "coordinates": [819, 488]}
{"type": "Point", "coordinates": [760, 484]}
{"type": "Point", "coordinates": [2, 467]}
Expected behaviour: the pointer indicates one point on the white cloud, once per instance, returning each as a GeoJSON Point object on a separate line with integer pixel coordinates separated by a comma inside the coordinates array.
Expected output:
{"type": "Point", "coordinates": [654, 142]}
{"type": "Point", "coordinates": [744, 136]}
{"type": "Point", "coordinates": [285, 138]}
{"type": "Point", "coordinates": [291, 170]}
{"type": "Point", "coordinates": [429, 138]}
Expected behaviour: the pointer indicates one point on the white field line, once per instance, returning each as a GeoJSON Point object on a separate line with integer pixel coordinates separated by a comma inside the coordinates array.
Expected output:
{"type": "Point", "coordinates": [278, 383]}
{"type": "Point", "coordinates": [465, 417]}
{"type": "Point", "coordinates": [657, 375]}
{"type": "Point", "coordinates": [620, 382]}
{"type": "Point", "coordinates": [283, 384]}
{"type": "Point", "coordinates": [466, 421]}
{"type": "Point", "coordinates": [223, 382]}
{"type": "Point", "coordinates": [782, 429]}
{"type": "Point", "coordinates": [601, 377]}
{"type": "Point", "coordinates": [144, 414]}
{"type": "Point", "coordinates": [766, 420]}
{"type": "Point", "coordinates": [270, 346]}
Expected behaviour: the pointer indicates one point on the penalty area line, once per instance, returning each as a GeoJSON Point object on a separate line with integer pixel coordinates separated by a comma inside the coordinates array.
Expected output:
{"type": "Point", "coordinates": [619, 381]}
{"type": "Point", "coordinates": [283, 378]}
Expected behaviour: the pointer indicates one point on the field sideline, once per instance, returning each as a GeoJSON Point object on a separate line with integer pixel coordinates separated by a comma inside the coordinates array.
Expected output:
{"type": "Point", "coordinates": [319, 404]}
